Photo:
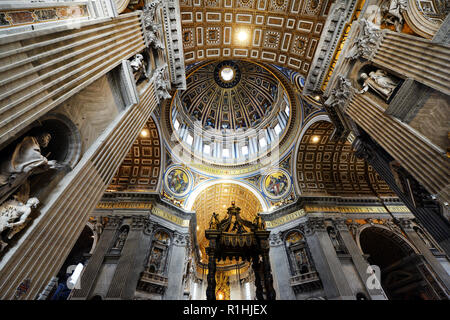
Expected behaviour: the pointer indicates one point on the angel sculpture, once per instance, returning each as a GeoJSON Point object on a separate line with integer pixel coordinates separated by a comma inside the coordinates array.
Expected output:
{"type": "Point", "coordinates": [25, 161]}
{"type": "Point", "coordinates": [214, 222]}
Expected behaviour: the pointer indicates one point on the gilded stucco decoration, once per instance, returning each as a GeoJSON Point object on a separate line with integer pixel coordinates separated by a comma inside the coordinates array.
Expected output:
{"type": "Point", "coordinates": [326, 167]}
{"type": "Point", "coordinates": [284, 32]}
{"type": "Point", "coordinates": [140, 170]}
{"type": "Point", "coordinates": [217, 198]}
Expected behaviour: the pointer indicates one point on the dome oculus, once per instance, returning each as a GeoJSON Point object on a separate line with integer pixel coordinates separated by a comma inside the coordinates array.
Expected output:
{"type": "Point", "coordinates": [227, 74]}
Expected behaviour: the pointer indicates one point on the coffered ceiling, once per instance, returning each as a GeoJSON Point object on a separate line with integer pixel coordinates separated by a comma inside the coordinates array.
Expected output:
{"type": "Point", "coordinates": [329, 168]}
{"type": "Point", "coordinates": [282, 32]}
{"type": "Point", "coordinates": [140, 169]}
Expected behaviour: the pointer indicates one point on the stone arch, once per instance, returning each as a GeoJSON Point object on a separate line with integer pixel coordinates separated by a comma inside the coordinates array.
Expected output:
{"type": "Point", "coordinates": [403, 273]}
{"type": "Point", "coordinates": [140, 171]}
{"type": "Point", "coordinates": [328, 167]}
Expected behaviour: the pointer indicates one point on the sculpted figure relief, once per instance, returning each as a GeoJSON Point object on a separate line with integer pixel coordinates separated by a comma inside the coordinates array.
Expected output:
{"type": "Point", "coordinates": [380, 82]}
{"type": "Point", "coordinates": [138, 66]}
{"type": "Point", "coordinates": [161, 84]}
{"type": "Point", "coordinates": [151, 28]}
{"type": "Point", "coordinates": [13, 216]}
{"type": "Point", "coordinates": [367, 40]}
{"type": "Point", "coordinates": [392, 11]}
{"type": "Point", "coordinates": [25, 161]}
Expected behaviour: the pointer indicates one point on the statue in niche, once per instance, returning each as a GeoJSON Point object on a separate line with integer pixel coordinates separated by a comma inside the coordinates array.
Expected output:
{"type": "Point", "coordinates": [380, 82]}
{"type": "Point", "coordinates": [25, 161]}
{"type": "Point", "coordinates": [155, 259]}
{"type": "Point", "coordinates": [392, 13]}
{"type": "Point", "coordinates": [14, 216]}
{"type": "Point", "coordinates": [334, 239]}
{"type": "Point", "coordinates": [301, 261]}
{"type": "Point", "coordinates": [120, 241]}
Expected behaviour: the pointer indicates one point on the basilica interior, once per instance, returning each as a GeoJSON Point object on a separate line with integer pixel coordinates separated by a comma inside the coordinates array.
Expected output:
{"type": "Point", "coordinates": [224, 150]}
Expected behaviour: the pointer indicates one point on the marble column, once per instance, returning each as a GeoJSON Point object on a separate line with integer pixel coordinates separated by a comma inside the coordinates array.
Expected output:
{"type": "Point", "coordinates": [139, 261]}
{"type": "Point", "coordinates": [326, 261]}
{"type": "Point", "coordinates": [120, 283]}
{"type": "Point", "coordinates": [359, 261]}
{"type": "Point", "coordinates": [408, 100]}
{"type": "Point", "coordinates": [92, 269]}
{"type": "Point", "coordinates": [427, 164]}
{"type": "Point", "coordinates": [280, 268]}
{"type": "Point", "coordinates": [174, 289]}
{"type": "Point", "coordinates": [235, 288]}
{"type": "Point", "coordinates": [427, 215]}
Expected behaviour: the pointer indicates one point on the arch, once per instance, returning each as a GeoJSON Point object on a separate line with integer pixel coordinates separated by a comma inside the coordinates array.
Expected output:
{"type": "Point", "coordinates": [223, 38]}
{"type": "Point", "coordinates": [201, 187]}
{"type": "Point", "coordinates": [328, 167]}
{"type": "Point", "coordinates": [423, 23]}
{"type": "Point", "coordinates": [403, 274]}
{"type": "Point", "coordinates": [408, 246]}
{"type": "Point", "coordinates": [140, 171]}
{"type": "Point", "coordinates": [320, 117]}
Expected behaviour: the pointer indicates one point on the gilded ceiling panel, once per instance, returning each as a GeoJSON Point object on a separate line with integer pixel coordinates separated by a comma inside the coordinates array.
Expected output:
{"type": "Point", "coordinates": [282, 32]}
{"type": "Point", "coordinates": [140, 169]}
{"type": "Point", "coordinates": [325, 167]}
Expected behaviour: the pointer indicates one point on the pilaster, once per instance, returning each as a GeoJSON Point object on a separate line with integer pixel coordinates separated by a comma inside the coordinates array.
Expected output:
{"type": "Point", "coordinates": [360, 263]}
{"type": "Point", "coordinates": [280, 268]}
{"type": "Point", "coordinates": [326, 261]}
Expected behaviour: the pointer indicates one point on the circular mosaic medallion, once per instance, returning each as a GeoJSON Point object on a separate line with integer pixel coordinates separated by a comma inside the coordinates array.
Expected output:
{"type": "Point", "coordinates": [178, 181]}
{"type": "Point", "coordinates": [276, 184]}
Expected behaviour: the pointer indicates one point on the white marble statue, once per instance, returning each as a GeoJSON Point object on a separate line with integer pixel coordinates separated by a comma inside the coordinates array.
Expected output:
{"type": "Point", "coordinates": [13, 216]}
{"type": "Point", "coordinates": [137, 62]}
{"type": "Point", "coordinates": [25, 161]}
{"type": "Point", "coordinates": [380, 82]}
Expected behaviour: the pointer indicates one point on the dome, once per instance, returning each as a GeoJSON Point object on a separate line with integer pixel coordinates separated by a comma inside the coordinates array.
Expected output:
{"type": "Point", "coordinates": [231, 112]}
{"type": "Point", "coordinates": [230, 95]}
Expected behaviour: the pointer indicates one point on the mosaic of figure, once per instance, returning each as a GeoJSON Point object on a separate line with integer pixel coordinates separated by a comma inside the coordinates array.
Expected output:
{"type": "Point", "coordinates": [25, 161]}
{"type": "Point", "coordinates": [380, 82]}
{"type": "Point", "coordinates": [178, 181]}
{"type": "Point", "coordinates": [14, 216]}
{"type": "Point", "coordinates": [276, 184]}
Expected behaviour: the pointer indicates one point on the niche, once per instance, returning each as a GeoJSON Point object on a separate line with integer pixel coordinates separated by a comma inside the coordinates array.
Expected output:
{"type": "Point", "coordinates": [299, 259]}
{"type": "Point", "coordinates": [158, 254]}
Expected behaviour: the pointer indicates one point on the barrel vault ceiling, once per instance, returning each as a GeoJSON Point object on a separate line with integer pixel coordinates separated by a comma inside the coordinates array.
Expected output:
{"type": "Point", "coordinates": [282, 32]}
